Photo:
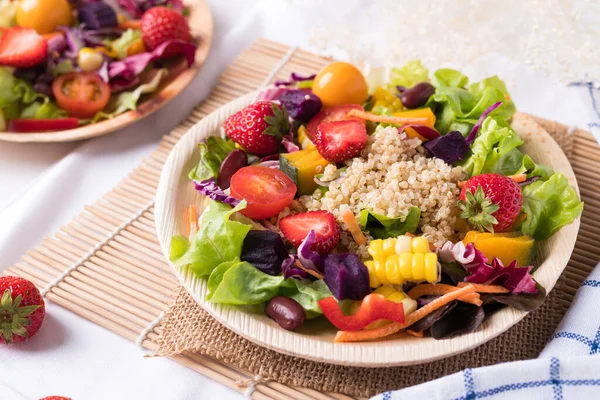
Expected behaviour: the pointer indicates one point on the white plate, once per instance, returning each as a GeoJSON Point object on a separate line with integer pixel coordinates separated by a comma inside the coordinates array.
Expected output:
{"type": "Point", "coordinates": [315, 340]}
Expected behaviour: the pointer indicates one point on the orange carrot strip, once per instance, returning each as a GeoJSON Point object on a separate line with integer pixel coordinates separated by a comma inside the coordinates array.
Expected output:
{"type": "Point", "coordinates": [130, 24]}
{"type": "Point", "coordinates": [359, 336]}
{"type": "Point", "coordinates": [415, 334]}
{"type": "Point", "coordinates": [192, 220]}
{"type": "Point", "coordinates": [519, 178]}
{"type": "Point", "coordinates": [481, 288]}
{"type": "Point", "coordinates": [387, 119]}
{"type": "Point", "coordinates": [308, 271]}
{"type": "Point", "coordinates": [355, 231]}
{"type": "Point", "coordinates": [440, 289]}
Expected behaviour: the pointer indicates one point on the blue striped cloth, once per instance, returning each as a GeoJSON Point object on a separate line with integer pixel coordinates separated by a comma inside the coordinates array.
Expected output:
{"type": "Point", "coordinates": [567, 368]}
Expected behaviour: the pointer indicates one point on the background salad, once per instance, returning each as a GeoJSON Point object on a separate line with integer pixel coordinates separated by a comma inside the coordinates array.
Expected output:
{"type": "Point", "coordinates": [68, 63]}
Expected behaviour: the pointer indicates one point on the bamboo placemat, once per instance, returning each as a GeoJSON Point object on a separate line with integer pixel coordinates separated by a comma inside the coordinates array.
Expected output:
{"type": "Point", "coordinates": [106, 264]}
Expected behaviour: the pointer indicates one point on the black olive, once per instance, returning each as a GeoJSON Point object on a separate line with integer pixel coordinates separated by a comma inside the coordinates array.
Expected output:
{"type": "Point", "coordinates": [286, 312]}
{"type": "Point", "coordinates": [417, 95]}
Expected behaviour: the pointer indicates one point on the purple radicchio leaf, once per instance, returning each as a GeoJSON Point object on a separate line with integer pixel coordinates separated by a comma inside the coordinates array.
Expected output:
{"type": "Point", "coordinates": [451, 147]}
{"type": "Point", "coordinates": [288, 143]}
{"type": "Point", "coordinates": [514, 278]}
{"type": "Point", "coordinates": [310, 259]}
{"type": "Point", "coordinates": [209, 188]}
{"type": "Point", "coordinates": [130, 67]}
{"type": "Point", "coordinates": [461, 319]}
{"type": "Point", "coordinates": [528, 181]}
{"type": "Point", "coordinates": [346, 276]}
{"type": "Point", "coordinates": [294, 77]}
{"type": "Point", "coordinates": [265, 250]}
{"type": "Point", "coordinates": [468, 256]}
{"type": "Point", "coordinates": [271, 94]}
{"type": "Point", "coordinates": [473, 134]}
{"type": "Point", "coordinates": [290, 270]}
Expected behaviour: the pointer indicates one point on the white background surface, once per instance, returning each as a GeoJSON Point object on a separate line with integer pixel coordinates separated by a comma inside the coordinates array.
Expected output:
{"type": "Point", "coordinates": [43, 185]}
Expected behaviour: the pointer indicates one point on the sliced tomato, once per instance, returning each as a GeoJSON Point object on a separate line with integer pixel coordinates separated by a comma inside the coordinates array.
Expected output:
{"type": "Point", "coordinates": [267, 191]}
{"type": "Point", "coordinates": [331, 114]}
{"type": "Point", "coordinates": [42, 125]}
{"type": "Point", "coordinates": [81, 94]}
{"type": "Point", "coordinates": [373, 307]}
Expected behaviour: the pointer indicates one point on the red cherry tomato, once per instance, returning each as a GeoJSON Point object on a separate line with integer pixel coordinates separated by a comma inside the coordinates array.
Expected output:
{"type": "Point", "coordinates": [81, 94]}
{"type": "Point", "coordinates": [42, 125]}
{"type": "Point", "coordinates": [331, 114]}
{"type": "Point", "coordinates": [267, 191]}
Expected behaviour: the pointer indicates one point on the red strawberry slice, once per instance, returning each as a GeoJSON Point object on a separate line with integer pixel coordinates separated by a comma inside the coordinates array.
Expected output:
{"type": "Point", "coordinates": [340, 140]}
{"type": "Point", "coordinates": [295, 228]}
{"type": "Point", "coordinates": [331, 114]}
{"type": "Point", "coordinates": [22, 48]}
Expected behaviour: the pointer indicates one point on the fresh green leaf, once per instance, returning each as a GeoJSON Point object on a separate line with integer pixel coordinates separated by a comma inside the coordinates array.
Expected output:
{"type": "Point", "coordinates": [218, 240]}
{"type": "Point", "coordinates": [19, 100]}
{"type": "Point", "coordinates": [121, 44]}
{"type": "Point", "coordinates": [212, 153]}
{"type": "Point", "coordinates": [458, 107]}
{"type": "Point", "coordinates": [549, 206]}
{"type": "Point", "coordinates": [408, 75]}
{"type": "Point", "coordinates": [240, 283]}
{"type": "Point", "coordinates": [382, 227]}
{"type": "Point", "coordinates": [128, 100]}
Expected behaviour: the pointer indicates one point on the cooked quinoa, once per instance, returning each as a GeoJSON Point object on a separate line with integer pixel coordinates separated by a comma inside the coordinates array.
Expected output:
{"type": "Point", "coordinates": [392, 174]}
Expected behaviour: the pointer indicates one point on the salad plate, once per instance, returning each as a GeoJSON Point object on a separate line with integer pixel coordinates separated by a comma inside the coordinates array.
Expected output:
{"type": "Point", "coordinates": [175, 75]}
{"type": "Point", "coordinates": [317, 339]}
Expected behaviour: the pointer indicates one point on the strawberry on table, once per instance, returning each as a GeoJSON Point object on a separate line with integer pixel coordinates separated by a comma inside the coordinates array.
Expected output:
{"type": "Point", "coordinates": [340, 140]}
{"type": "Point", "coordinates": [258, 128]}
{"type": "Point", "coordinates": [491, 202]}
{"type": "Point", "coordinates": [331, 114]}
{"type": "Point", "coordinates": [297, 226]}
{"type": "Point", "coordinates": [162, 24]}
{"type": "Point", "coordinates": [22, 309]}
{"type": "Point", "coordinates": [22, 48]}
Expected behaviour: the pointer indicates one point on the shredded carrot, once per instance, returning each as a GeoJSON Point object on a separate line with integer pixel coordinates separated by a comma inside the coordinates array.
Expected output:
{"type": "Point", "coordinates": [308, 271]}
{"type": "Point", "coordinates": [192, 220]}
{"type": "Point", "coordinates": [480, 288]}
{"type": "Point", "coordinates": [387, 119]}
{"type": "Point", "coordinates": [359, 336]}
{"type": "Point", "coordinates": [130, 24]}
{"type": "Point", "coordinates": [428, 289]}
{"type": "Point", "coordinates": [415, 334]}
{"type": "Point", "coordinates": [355, 231]}
{"type": "Point", "coordinates": [517, 178]}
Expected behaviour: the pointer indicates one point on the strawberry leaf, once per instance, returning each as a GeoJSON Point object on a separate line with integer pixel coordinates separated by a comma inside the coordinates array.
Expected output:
{"type": "Point", "coordinates": [478, 210]}
{"type": "Point", "coordinates": [279, 122]}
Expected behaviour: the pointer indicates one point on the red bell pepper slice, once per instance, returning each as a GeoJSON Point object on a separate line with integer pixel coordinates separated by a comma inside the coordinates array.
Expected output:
{"type": "Point", "coordinates": [372, 308]}
{"type": "Point", "coordinates": [42, 125]}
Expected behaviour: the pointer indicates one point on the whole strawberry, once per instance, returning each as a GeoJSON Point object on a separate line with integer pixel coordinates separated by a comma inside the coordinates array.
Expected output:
{"type": "Point", "coordinates": [162, 24]}
{"type": "Point", "coordinates": [490, 202]}
{"type": "Point", "coordinates": [258, 128]}
{"type": "Point", "coordinates": [22, 309]}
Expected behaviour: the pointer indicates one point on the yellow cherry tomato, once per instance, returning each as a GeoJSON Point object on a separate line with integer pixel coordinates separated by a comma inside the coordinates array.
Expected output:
{"type": "Point", "coordinates": [43, 15]}
{"type": "Point", "coordinates": [340, 83]}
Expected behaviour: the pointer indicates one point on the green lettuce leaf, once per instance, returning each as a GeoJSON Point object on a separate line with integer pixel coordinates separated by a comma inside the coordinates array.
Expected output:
{"type": "Point", "coordinates": [63, 67]}
{"type": "Point", "coordinates": [408, 75]}
{"type": "Point", "coordinates": [218, 240]}
{"type": "Point", "coordinates": [239, 283]}
{"type": "Point", "coordinates": [549, 206]}
{"type": "Point", "coordinates": [127, 101]}
{"type": "Point", "coordinates": [496, 150]}
{"type": "Point", "coordinates": [19, 100]}
{"type": "Point", "coordinates": [458, 107]}
{"type": "Point", "coordinates": [212, 153]}
{"type": "Point", "coordinates": [121, 44]}
{"type": "Point", "coordinates": [382, 227]}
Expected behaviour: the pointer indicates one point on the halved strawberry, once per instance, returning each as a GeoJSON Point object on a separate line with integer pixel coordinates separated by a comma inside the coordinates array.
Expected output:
{"type": "Point", "coordinates": [331, 114]}
{"type": "Point", "coordinates": [22, 48]}
{"type": "Point", "coordinates": [295, 228]}
{"type": "Point", "coordinates": [340, 140]}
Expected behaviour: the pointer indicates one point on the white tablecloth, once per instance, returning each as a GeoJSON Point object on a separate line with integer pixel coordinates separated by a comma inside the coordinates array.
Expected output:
{"type": "Point", "coordinates": [42, 186]}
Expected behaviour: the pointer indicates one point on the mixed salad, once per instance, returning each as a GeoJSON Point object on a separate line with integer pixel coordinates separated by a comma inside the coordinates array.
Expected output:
{"type": "Point", "coordinates": [64, 63]}
{"type": "Point", "coordinates": [387, 204]}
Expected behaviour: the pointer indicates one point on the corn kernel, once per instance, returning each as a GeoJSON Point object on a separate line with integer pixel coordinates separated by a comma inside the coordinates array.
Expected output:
{"type": "Point", "coordinates": [89, 60]}
{"type": "Point", "coordinates": [420, 245]}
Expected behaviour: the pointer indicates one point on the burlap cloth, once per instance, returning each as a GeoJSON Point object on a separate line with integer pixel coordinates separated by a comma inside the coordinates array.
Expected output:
{"type": "Point", "coordinates": [186, 327]}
